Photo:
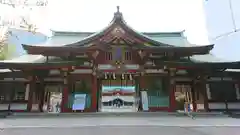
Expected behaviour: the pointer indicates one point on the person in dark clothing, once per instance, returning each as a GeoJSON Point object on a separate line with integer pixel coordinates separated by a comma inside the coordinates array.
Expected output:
{"type": "Point", "coordinates": [140, 104]}
{"type": "Point", "coordinates": [58, 107]}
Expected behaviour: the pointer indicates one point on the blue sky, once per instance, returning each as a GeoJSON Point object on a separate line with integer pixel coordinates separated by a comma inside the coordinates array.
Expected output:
{"type": "Point", "coordinates": [218, 16]}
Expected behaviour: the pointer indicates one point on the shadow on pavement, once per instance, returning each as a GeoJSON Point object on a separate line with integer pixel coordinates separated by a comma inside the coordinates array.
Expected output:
{"type": "Point", "coordinates": [234, 115]}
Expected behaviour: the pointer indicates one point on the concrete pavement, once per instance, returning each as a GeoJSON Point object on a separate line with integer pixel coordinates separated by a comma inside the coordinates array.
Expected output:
{"type": "Point", "coordinates": [124, 130]}
{"type": "Point", "coordinates": [118, 121]}
{"type": "Point", "coordinates": [120, 126]}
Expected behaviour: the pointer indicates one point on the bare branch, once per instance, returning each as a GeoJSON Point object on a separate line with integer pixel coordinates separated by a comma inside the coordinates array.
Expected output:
{"type": "Point", "coordinates": [26, 3]}
{"type": "Point", "coordinates": [24, 21]}
{"type": "Point", "coordinates": [29, 27]}
{"type": "Point", "coordinates": [8, 2]}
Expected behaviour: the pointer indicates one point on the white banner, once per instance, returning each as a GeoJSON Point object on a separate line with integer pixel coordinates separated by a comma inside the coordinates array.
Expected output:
{"type": "Point", "coordinates": [144, 100]}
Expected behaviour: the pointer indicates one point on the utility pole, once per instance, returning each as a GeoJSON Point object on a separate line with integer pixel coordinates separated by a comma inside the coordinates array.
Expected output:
{"type": "Point", "coordinates": [233, 19]}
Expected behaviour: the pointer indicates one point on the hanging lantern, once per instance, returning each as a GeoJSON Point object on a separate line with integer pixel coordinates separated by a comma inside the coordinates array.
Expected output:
{"type": "Point", "coordinates": [73, 67]}
{"type": "Point", "coordinates": [114, 76]}
{"type": "Point", "coordinates": [94, 73]}
{"type": "Point", "coordinates": [105, 76]}
{"type": "Point", "coordinates": [130, 76]}
{"type": "Point", "coordinates": [122, 76]}
{"type": "Point", "coordinates": [95, 54]}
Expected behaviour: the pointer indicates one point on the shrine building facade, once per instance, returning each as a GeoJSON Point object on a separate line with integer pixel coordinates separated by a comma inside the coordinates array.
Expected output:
{"type": "Point", "coordinates": [118, 69]}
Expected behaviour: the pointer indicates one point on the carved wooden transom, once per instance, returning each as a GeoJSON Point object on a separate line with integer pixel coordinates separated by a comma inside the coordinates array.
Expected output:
{"type": "Point", "coordinates": [141, 54]}
{"type": "Point", "coordinates": [118, 32]}
{"type": "Point", "coordinates": [118, 36]}
{"type": "Point", "coordinates": [95, 54]}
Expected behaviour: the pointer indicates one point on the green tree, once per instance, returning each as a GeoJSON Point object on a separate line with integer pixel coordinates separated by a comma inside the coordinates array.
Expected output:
{"type": "Point", "coordinates": [6, 50]}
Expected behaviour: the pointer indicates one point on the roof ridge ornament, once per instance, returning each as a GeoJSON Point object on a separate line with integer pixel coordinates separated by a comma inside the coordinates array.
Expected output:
{"type": "Point", "coordinates": [118, 14]}
{"type": "Point", "coordinates": [117, 9]}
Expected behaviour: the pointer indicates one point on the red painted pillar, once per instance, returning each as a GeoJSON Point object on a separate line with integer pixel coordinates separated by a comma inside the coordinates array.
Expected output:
{"type": "Point", "coordinates": [206, 106]}
{"type": "Point", "coordinates": [64, 93]}
{"type": "Point", "coordinates": [172, 95]}
{"type": "Point", "coordinates": [193, 97]}
{"type": "Point", "coordinates": [48, 96]}
{"type": "Point", "coordinates": [171, 74]}
{"type": "Point", "coordinates": [94, 93]}
{"type": "Point", "coordinates": [64, 99]}
{"type": "Point", "coordinates": [32, 86]}
{"type": "Point", "coordinates": [142, 82]}
{"type": "Point", "coordinates": [41, 94]}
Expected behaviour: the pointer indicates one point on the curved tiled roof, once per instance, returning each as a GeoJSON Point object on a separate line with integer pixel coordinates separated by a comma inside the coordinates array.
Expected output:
{"type": "Point", "coordinates": [21, 36]}
{"type": "Point", "coordinates": [173, 39]}
{"type": "Point", "coordinates": [65, 38]}
{"type": "Point", "coordinates": [160, 39]}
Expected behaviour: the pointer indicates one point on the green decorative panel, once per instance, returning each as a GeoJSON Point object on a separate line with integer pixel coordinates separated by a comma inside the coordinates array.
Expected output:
{"type": "Point", "coordinates": [70, 100]}
{"type": "Point", "coordinates": [82, 86]}
{"type": "Point", "coordinates": [158, 94]}
{"type": "Point", "coordinates": [156, 99]}
{"type": "Point", "coordinates": [88, 101]}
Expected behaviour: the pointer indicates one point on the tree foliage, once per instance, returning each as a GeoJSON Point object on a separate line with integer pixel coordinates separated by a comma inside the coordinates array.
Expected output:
{"type": "Point", "coordinates": [6, 50]}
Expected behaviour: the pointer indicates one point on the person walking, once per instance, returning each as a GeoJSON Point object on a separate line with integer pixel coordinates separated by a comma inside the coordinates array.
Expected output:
{"type": "Point", "coordinates": [58, 107]}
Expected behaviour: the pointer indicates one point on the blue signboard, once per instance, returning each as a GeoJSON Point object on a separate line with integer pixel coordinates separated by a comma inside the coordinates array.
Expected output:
{"type": "Point", "coordinates": [79, 102]}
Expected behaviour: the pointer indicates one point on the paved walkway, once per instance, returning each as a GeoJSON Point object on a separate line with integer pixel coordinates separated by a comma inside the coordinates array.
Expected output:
{"type": "Point", "coordinates": [168, 125]}
{"type": "Point", "coordinates": [118, 121]}
{"type": "Point", "coordinates": [124, 130]}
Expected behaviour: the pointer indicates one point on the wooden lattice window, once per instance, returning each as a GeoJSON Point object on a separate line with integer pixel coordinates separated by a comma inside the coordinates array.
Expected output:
{"type": "Point", "coordinates": [128, 55]}
{"type": "Point", "coordinates": [19, 96]}
{"type": "Point", "coordinates": [2, 98]}
{"type": "Point", "coordinates": [19, 91]}
{"type": "Point", "coordinates": [108, 56]}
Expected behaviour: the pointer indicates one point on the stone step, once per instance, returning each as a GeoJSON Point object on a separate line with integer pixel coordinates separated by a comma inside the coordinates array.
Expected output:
{"type": "Point", "coordinates": [114, 114]}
